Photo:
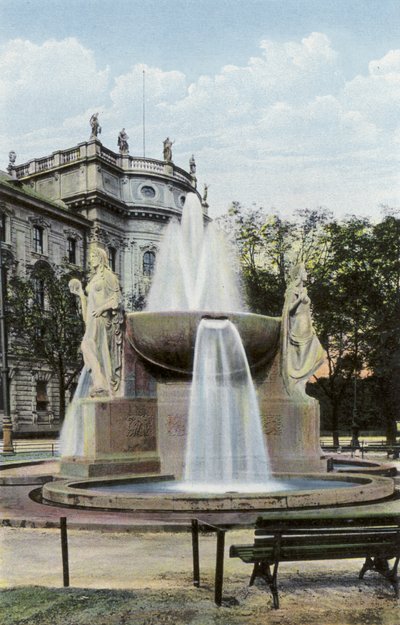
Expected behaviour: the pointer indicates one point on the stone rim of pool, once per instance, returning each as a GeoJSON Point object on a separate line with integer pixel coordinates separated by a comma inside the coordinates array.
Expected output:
{"type": "Point", "coordinates": [81, 493]}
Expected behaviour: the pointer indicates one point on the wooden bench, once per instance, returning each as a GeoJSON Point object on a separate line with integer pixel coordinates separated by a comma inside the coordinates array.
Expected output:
{"type": "Point", "coordinates": [376, 539]}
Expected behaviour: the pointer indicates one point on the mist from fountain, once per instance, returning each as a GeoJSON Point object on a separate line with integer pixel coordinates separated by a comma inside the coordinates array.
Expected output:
{"type": "Point", "coordinates": [71, 437]}
{"type": "Point", "coordinates": [195, 270]}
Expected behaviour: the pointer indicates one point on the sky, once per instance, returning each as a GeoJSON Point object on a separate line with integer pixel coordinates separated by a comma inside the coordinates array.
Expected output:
{"type": "Point", "coordinates": [288, 104]}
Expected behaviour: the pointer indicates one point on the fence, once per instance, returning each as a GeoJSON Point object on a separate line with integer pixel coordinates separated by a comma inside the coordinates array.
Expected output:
{"type": "Point", "coordinates": [27, 446]}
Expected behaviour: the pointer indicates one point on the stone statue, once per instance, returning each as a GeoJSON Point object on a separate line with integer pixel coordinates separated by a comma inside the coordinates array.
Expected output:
{"type": "Point", "coordinates": [205, 193]}
{"type": "Point", "coordinates": [12, 157]}
{"type": "Point", "coordinates": [94, 123]}
{"type": "Point", "coordinates": [301, 352]}
{"type": "Point", "coordinates": [101, 310]}
{"type": "Point", "coordinates": [123, 142]}
{"type": "Point", "coordinates": [192, 166]}
{"type": "Point", "coordinates": [168, 149]}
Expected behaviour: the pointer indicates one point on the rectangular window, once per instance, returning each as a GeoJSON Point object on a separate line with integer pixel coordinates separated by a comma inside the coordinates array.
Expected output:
{"type": "Point", "coordinates": [111, 258]}
{"type": "Point", "coordinates": [71, 251]}
{"type": "Point", "coordinates": [38, 239]}
{"type": "Point", "coordinates": [42, 400]}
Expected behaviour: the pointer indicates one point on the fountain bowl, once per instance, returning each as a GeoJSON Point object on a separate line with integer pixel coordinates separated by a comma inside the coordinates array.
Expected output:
{"type": "Point", "coordinates": [167, 339]}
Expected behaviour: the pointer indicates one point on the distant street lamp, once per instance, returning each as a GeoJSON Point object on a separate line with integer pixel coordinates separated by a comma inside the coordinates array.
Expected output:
{"type": "Point", "coordinates": [8, 447]}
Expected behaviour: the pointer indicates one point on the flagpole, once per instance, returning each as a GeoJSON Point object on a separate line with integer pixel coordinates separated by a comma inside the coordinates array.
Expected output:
{"type": "Point", "coordinates": [144, 114]}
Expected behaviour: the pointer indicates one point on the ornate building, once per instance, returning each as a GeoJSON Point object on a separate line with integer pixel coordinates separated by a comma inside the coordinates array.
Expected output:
{"type": "Point", "coordinates": [56, 207]}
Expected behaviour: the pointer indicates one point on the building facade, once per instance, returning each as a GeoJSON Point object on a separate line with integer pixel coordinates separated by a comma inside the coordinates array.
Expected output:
{"type": "Point", "coordinates": [55, 208]}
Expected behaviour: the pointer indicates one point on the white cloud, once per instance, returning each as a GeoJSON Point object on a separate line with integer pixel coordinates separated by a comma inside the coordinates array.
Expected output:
{"type": "Point", "coordinates": [42, 84]}
{"type": "Point", "coordinates": [285, 128]}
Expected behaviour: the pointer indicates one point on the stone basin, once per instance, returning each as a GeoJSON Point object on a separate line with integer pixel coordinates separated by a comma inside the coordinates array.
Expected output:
{"type": "Point", "coordinates": [107, 494]}
{"type": "Point", "coordinates": [167, 339]}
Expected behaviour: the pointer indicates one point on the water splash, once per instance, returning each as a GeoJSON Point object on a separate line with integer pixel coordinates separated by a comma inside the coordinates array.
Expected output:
{"type": "Point", "coordinates": [71, 437]}
{"type": "Point", "coordinates": [225, 443]}
{"type": "Point", "coordinates": [195, 270]}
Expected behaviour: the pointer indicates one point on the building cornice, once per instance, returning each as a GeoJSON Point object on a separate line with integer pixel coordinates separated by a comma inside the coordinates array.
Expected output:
{"type": "Point", "coordinates": [42, 205]}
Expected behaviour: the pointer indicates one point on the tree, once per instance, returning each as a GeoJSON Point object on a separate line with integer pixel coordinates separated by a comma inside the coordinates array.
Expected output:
{"type": "Point", "coordinates": [44, 322]}
{"type": "Point", "coordinates": [384, 332]}
{"type": "Point", "coordinates": [340, 292]}
{"type": "Point", "coordinates": [263, 242]}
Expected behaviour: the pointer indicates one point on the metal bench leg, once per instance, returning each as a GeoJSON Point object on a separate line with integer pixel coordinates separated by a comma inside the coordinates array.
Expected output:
{"type": "Point", "coordinates": [274, 586]}
{"type": "Point", "coordinates": [256, 573]}
{"type": "Point", "coordinates": [367, 566]}
{"type": "Point", "coordinates": [195, 551]}
{"type": "Point", "coordinates": [393, 578]}
{"type": "Point", "coordinates": [263, 570]}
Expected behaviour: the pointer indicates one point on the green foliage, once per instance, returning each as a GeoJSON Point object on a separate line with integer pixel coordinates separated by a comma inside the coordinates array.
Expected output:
{"type": "Point", "coordinates": [44, 322]}
{"type": "Point", "coordinates": [354, 283]}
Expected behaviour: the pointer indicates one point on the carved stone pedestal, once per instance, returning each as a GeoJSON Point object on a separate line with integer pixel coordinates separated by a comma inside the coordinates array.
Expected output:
{"type": "Point", "coordinates": [119, 436]}
{"type": "Point", "coordinates": [291, 426]}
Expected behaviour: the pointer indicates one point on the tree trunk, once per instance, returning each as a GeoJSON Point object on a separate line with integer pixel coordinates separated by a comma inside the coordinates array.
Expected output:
{"type": "Point", "coordinates": [61, 389]}
{"type": "Point", "coordinates": [390, 395]}
{"type": "Point", "coordinates": [335, 422]}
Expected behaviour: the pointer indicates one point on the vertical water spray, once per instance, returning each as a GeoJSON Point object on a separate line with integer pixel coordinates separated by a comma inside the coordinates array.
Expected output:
{"type": "Point", "coordinates": [194, 269]}
{"type": "Point", "coordinates": [225, 444]}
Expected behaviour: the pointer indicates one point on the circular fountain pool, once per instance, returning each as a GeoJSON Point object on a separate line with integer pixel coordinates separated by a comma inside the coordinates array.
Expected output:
{"type": "Point", "coordinates": [154, 493]}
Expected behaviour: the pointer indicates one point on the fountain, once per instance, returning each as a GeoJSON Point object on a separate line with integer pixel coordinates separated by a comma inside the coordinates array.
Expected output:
{"type": "Point", "coordinates": [202, 406]}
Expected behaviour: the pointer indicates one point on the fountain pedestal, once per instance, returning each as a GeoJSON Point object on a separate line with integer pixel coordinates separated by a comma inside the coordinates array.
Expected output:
{"type": "Point", "coordinates": [291, 426]}
{"type": "Point", "coordinates": [119, 436]}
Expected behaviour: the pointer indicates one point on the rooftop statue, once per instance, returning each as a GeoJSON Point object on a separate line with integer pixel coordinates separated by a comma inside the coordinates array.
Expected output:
{"type": "Point", "coordinates": [95, 126]}
{"type": "Point", "coordinates": [301, 352]}
{"type": "Point", "coordinates": [205, 193]}
{"type": "Point", "coordinates": [192, 165]}
{"type": "Point", "coordinates": [101, 310]}
{"type": "Point", "coordinates": [12, 157]}
{"type": "Point", "coordinates": [123, 142]}
{"type": "Point", "coordinates": [168, 149]}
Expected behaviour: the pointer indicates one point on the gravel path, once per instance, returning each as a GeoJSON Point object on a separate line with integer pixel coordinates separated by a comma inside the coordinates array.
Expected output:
{"type": "Point", "coordinates": [145, 579]}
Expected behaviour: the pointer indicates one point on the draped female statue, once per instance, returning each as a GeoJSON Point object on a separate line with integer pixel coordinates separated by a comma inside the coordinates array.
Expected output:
{"type": "Point", "coordinates": [101, 310]}
{"type": "Point", "coordinates": [301, 352]}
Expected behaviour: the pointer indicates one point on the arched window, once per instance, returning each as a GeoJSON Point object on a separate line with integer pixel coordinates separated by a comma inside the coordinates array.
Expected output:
{"type": "Point", "coordinates": [111, 258]}
{"type": "Point", "coordinates": [149, 259]}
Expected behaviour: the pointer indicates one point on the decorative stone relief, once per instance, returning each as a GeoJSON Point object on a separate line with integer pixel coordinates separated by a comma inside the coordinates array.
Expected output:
{"type": "Point", "coordinates": [140, 425]}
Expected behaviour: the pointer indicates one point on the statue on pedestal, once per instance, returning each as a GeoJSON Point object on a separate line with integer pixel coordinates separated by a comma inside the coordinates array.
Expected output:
{"type": "Point", "coordinates": [167, 153]}
{"type": "Point", "coordinates": [301, 352]}
{"type": "Point", "coordinates": [192, 165]}
{"type": "Point", "coordinates": [95, 126]}
{"type": "Point", "coordinates": [123, 142]}
{"type": "Point", "coordinates": [101, 310]}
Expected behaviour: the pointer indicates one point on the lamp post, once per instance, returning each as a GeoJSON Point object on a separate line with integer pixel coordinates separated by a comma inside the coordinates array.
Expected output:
{"type": "Point", "coordinates": [8, 447]}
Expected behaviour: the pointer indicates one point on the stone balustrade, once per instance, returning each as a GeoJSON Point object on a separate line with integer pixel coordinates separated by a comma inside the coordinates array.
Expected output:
{"type": "Point", "coordinates": [95, 148]}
